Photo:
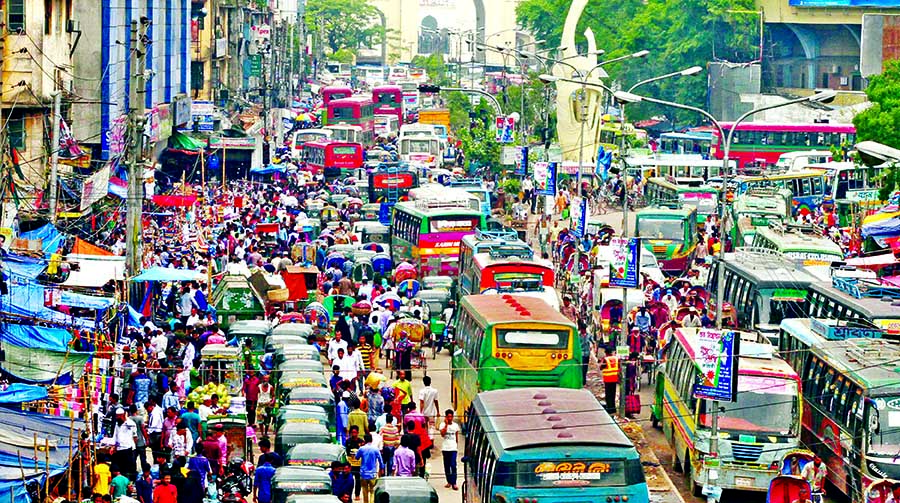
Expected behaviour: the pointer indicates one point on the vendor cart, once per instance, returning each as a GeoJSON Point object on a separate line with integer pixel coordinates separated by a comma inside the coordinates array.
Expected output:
{"type": "Point", "coordinates": [416, 331]}
{"type": "Point", "coordinates": [302, 283]}
{"type": "Point", "coordinates": [221, 364]}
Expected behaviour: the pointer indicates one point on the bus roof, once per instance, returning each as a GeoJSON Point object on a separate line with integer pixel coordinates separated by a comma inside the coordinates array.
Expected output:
{"type": "Point", "coordinates": [689, 135]}
{"type": "Point", "coordinates": [497, 256]}
{"type": "Point", "coordinates": [768, 270]}
{"type": "Point", "coordinates": [517, 418]}
{"type": "Point", "coordinates": [352, 100]}
{"type": "Point", "coordinates": [801, 173]}
{"type": "Point", "coordinates": [325, 142]}
{"type": "Point", "coordinates": [872, 307]}
{"type": "Point", "coordinates": [387, 89]}
{"type": "Point", "coordinates": [432, 208]}
{"type": "Point", "coordinates": [667, 213]}
{"type": "Point", "coordinates": [675, 161]}
{"type": "Point", "coordinates": [805, 128]}
{"type": "Point", "coordinates": [672, 184]}
{"type": "Point", "coordinates": [797, 240]}
{"type": "Point", "coordinates": [490, 309]}
{"type": "Point", "coordinates": [871, 361]}
{"type": "Point", "coordinates": [508, 242]}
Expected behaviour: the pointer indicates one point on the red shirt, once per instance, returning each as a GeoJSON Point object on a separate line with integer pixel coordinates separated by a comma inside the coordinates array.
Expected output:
{"type": "Point", "coordinates": [165, 493]}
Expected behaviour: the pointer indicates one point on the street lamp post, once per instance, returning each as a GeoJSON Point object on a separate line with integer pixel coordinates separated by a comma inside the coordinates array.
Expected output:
{"type": "Point", "coordinates": [625, 232]}
{"type": "Point", "coordinates": [628, 97]}
{"type": "Point", "coordinates": [506, 52]}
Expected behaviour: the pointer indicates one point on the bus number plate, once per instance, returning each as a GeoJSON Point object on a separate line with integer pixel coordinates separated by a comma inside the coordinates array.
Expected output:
{"type": "Point", "coordinates": [743, 481]}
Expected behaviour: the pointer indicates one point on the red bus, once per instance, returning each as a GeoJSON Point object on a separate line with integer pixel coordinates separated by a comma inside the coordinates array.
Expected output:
{"type": "Point", "coordinates": [762, 143]}
{"type": "Point", "coordinates": [388, 101]}
{"type": "Point", "coordinates": [354, 111]}
{"type": "Point", "coordinates": [331, 93]}
{"type": "Point", "coordinates": [388, 184]}
{"type": "Point", "coordinates": [333, 158]}
{"type": "Point", "coordinates": [493, 270]}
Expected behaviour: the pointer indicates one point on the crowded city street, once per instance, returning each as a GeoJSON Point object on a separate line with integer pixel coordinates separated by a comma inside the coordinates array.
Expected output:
{"type": "Point", "coordinates": [450, 251]}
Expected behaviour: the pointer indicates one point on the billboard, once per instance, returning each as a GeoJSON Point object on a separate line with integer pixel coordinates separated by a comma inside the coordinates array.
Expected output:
{"type": "Point", "coordinates": [879, 42]}
{"type": "Point", "coordinates": [844, 3]}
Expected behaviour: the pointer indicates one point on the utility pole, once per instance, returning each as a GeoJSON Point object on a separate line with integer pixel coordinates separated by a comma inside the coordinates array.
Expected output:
{"type": "Point", "coordinates": [136, 120]}
{"type": "Point", "coordinates": [54, 157]}
{"type": "Point", "coordinates": [3, 136]}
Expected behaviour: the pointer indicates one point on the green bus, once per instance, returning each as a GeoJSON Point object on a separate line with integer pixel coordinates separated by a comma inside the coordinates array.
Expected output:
{"type": "Point", "coordinates": [814, 252]}
{"type": "Point", "coordinates": [513, 454]}
{"type": "Point", "coordinates": [427, 232]}
{"type": "Point", "coordinates": [758, 208]}
{"type": "Point", "coordinates": [512, 341]}
{"type": "Point", "coordinates": [663, 192]}
{"type": "Point", "coordinates": [671, 235]}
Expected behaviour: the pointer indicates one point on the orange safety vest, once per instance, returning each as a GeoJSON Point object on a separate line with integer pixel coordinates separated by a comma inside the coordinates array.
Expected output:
{"type": "Point", "coordinates": [611, 370]}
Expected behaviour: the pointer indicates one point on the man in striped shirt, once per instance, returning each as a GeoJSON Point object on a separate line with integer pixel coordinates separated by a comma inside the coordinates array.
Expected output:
{"type": "Point", "coordinates": [390, 437]}
{"type": "Point", "coordinates": [366, 351]}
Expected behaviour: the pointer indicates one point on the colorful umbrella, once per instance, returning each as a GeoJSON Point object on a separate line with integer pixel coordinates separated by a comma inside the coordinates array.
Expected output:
{"type": "Point", "coordinates": [409, 288]}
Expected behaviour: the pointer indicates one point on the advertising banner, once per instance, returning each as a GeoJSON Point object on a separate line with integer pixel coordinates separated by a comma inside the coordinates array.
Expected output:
{"type": "Point", "coordinates": [624, 269]}
{"type": "Point", "coordinates": [95, 188]}
{"type": "Point", "coordinates": [717, 365]}
{"type": "Point", "coordinates": [505, 126]}
{"type": "Point", "coordinates": [578, 216]}
{"type": "Point", "coordinates": [521, 161]}
{"type": "Point", "coordinates": [545, 178]}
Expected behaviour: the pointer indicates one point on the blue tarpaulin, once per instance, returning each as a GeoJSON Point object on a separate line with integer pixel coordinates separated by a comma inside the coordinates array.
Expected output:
{"type": "Point", "coordinates": [167, 274]}
{"type": "Point", "coordinates": [268, 170]}
{"type": "Point", "coordinates": [23, 267]}
{"type": "Point", "coordinates": [54, 339]}
{"type": "Point", "coordinates": [18, 393]}
{"type": "Point", "coordinates": [51, 238]}
{"type": "Point", "coordinates": [27, 299]}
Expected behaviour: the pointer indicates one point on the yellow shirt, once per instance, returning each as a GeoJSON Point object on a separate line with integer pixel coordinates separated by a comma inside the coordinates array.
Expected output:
{"type": "Point", "coordinates": [102, 476]}
{"type": "Point", "coordinates": [406, 388]}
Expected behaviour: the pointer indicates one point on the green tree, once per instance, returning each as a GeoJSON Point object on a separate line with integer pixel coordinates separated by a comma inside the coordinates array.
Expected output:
{"type": "Point", "coordinates": [344, 24]}
{"type": "Point", "coordinates": [434, 65]}
{"type": "Point", "coordinates": [679, 35]}
{"type": "Point", "coordinates": [881, 121]}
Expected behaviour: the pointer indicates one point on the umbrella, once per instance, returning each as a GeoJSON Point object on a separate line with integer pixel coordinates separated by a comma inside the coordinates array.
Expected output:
{"type": "Point", "coordinates": [389, 300]}
{"type": "Point", "coordinates": [409, 287]}
{"type": "Point", "coordinates": [405, 266]}
{"type": "Point", "coordinates": [375, 247]}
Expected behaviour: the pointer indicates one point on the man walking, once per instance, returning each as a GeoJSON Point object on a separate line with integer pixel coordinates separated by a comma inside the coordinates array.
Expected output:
{"type": "Point", "coordinates": [371, 467]}
{"type": "Point", "coordinates": [450, 436]}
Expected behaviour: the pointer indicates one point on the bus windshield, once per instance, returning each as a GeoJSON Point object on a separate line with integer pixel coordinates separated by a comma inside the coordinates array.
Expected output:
{"type": "Point", "coordinates": [534, 339]}
{"type": "Point", "coordinates": [884, 427]}
{"type": "Point", "coordinates": [653, 228]}
{"type": "Point", "coordinates": [419, 146]}
{"type": "Point", "coordinates": [518, 282]}
{"type": "Point", "coordinates": [571, 473]}
{"type": "Point", "coordinates": [764, 405]}
{"type": "Point", "coordinates": [705, 202]}
{"type": "Point", "coordinates": [453, 224]}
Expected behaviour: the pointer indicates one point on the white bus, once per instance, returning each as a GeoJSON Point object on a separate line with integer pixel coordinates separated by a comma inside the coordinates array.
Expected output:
{"type": "Point", "coordinates": [386, 125]}
{"type": "Point", "coordinates": [420, 144]}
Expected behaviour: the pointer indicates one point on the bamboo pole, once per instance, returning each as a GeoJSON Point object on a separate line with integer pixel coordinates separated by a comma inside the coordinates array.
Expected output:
{"type": "Point", "coordinates": [71, 457]}
{"type": "Point", "coordinates": [47, 468]}
{"type": "Point", "coordinates": [35, 453]}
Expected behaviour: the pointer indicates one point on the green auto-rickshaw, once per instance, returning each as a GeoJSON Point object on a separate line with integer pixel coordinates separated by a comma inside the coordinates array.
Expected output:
{"type": "Point", "coordinates": [302, 366]}
{"type": "Point", "coordinates": [280, 340]}
{"type": "Point", "coordinates": [291, 434]}
{"type": "Point", "coordinates": [319, 455]}
{"type": "Point", "coordinates": [304, 330]}
{"type": "Point", "coordinates": [300, 379]}
{"type": "Point", "coordinates": [406, 490]}
{"type": "Point", "coordinates": [301, 414]}
{"type": "Point", "coordinates": [296, 352]}
{"type": "Point", "coordinates": [323, 397]}
{"type": "Point", "coordinates": [290, 481]}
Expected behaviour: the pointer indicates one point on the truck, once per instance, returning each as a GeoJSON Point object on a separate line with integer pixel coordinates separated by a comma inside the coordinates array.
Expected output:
{"type": "Point", "coordinates": [438, 117]}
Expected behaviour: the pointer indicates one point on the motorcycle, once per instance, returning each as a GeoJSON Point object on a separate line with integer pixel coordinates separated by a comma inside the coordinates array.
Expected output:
{"type": "Point", "coordinates": [237, 482]}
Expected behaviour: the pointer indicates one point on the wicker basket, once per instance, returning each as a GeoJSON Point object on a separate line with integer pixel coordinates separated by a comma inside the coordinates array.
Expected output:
{"type": "Point", "coordinates": [278, 295]}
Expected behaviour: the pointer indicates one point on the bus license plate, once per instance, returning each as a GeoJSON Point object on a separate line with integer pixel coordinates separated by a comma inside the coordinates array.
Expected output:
{"type": "Point", "coordinates": [743, 481]}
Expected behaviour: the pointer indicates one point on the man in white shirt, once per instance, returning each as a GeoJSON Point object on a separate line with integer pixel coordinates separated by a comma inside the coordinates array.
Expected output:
{"type": "Point", "coordinates": [365, 289]}
{"type": "Point", "coordinates": [428, 400]}
{"type": "Point", "coordinates": [160, 344]}
{"type": "Point", "coordinates": [154, 424]}
{"type": "Point", "coordinates": [449, 447]}
{"type": "Point", "coordinates": [333, 346]}
{"type": "Point", "coordinates": [125, 442]}
{"type": "Point", "coordinates": [205, 410]}
{"type": "Point", "coordinates": [347, 365]}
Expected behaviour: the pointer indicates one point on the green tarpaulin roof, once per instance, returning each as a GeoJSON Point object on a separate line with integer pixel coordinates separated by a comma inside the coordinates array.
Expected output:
{"type": "Point", "coordinates": [182, 141]}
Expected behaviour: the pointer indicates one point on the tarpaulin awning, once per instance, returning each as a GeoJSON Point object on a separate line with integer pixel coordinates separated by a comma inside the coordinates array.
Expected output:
{"type": "Point", "coordinates": [181, 141]}
{"type": "Point", "coordinates": [23, 267]}
{"type": "Point", "coordinates": [118, 187]}
{"type": "Point", "coordinates": [51, 238]}
{"type": "Point", "coordinates": [18, 393]}
{"type": "Point", "coordinates": [94, 271]}
{"type": "Point", "coordinates": [27, 299]}
{"type": "Point", "coordinates": [174, 201]}
{"type": "Point", "coordinates": [268, 170]}
{"type": "Point", "coordinates": [82, 247]}
{"type": "Point", "coordinates": [874, 262]}
{"type": "Point", "coordinates": [168, 274]}
{"type": "Point", "coordinates": [43, 366]}
{"type": "Point", "coordinates": [35, 337]}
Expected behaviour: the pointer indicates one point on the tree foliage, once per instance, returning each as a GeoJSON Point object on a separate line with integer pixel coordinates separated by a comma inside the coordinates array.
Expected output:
{"type": "Point", "coordinates": [881, 121]}
{"type": "Point", "coordinates": [344, 24]}
{"type": "Point", "coordinates": [678, 34]}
